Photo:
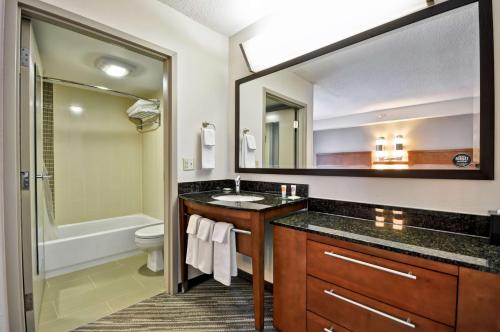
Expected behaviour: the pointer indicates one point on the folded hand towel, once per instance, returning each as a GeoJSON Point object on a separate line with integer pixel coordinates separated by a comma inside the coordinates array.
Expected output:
{"type": "Point", "coordinates": [208, 136]}
{"type": "Point", "coordinates": [192, 227]}
{"type": "Point", "coordinates": [247, 154]}
{"type": "Point", "coordinates": [192, 245]}
{"type": "Point", "coordinates": [251, 145]}
{"type": "Point", "coordinates": [207, 148]}
{"type": "Point", "coordinates": [205, 245]}
{"type": "Point", "coordinates": [225, 265]}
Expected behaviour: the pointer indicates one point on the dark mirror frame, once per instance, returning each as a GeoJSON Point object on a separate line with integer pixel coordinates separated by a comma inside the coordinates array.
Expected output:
{"type": "Point", "coordinates": [487, 104]}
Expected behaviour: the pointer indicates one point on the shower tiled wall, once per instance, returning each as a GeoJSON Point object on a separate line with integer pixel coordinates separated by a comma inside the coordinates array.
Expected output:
{"type": "Point", "coordinates": [48, 134]}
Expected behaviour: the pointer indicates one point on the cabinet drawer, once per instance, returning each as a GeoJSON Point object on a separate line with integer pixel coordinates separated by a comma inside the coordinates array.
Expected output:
{"type": "Point", "coordinates": [317, 323]}
{"type": "Point", "coordinates": [424, 292]}
{"type": "Point", "coordinates": [360, 313]}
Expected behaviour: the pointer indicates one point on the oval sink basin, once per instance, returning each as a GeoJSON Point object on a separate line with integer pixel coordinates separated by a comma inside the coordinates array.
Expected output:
{"type": "Point", "coordinates": [238, 198]}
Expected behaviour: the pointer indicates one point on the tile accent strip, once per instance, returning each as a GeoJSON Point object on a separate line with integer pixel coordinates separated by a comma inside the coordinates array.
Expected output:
{"type": "Point", "coordinates": [438, 220]}
{"type": "Point", "coordinates": [48, 134]}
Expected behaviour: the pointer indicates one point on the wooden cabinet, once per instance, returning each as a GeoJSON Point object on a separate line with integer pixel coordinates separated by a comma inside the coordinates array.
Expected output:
{"type": "Point", "coordinates": [289, 271]}
{"type": "Point", "coordinates": [317, 323]}
{"type": "Point", "coordinates": [361, 313]}
{"type": "Point", "coordinates": [478, 301]}
{"type": "Point", "coordinates": [425, 292]}
{"type": "Point", "coordinates": [335, 285]}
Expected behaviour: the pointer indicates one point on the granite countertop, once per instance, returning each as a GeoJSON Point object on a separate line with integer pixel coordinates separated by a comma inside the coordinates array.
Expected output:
{"type": "Point", "coordinates": [452, 248]}
{"type": "Point", "coordinates": [270, 201]}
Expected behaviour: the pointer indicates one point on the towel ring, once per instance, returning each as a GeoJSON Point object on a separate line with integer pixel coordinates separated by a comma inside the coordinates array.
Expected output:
{"type": "Point", "coordinates": [207, 124]}
{"type": "Point", "coordinates": [246, 131]}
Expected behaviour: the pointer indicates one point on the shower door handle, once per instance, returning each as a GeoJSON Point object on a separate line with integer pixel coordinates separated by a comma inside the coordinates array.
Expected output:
{"type": "Point", "coordinates": [42, 176]}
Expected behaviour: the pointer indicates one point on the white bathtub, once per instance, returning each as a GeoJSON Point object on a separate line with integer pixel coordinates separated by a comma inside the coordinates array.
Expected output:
{"type": "Point", "coordinates": [92, 243]}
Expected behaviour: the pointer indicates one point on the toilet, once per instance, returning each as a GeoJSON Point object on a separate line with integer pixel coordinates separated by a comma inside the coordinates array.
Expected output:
{"type": "Point", "coordinates": [150, 239]}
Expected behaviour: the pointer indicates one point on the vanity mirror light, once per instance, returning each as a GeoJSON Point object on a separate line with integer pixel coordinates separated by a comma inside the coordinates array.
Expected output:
{"type": "Point", "coordinates": [410, 98]}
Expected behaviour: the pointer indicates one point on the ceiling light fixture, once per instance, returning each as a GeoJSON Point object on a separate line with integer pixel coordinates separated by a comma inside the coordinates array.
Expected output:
{"type": "Point", "coordinates": [306, 26]}
{"type": "Point", "coordinates": [114, 67]}
{"type": "Point", "coordinates": [75, 109]}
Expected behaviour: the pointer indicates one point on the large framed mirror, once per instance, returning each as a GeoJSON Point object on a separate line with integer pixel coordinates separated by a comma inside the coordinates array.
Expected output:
{"type": "Point", "coordinates": [411, 98]}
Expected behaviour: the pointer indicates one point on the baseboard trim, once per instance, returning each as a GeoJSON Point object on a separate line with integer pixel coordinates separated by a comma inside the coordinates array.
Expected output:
{"type": "Point", "coordinates": [204, 277]}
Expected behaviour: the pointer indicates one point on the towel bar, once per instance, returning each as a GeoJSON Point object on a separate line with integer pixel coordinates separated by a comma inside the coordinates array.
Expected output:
{"type": "Point", "coordinates": [242, 231]}
{"type": "Point", "coordinates": [206, 124]}
{"type": "Point", "coordinates": [236, 230]}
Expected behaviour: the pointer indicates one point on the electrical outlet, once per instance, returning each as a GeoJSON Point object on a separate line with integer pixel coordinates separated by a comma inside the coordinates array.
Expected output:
{"type": "Point", "coordinates": [188, 164]}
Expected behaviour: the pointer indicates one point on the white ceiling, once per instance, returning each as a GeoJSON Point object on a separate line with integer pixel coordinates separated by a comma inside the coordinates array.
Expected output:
{"type": "Point", "coordinates": [430, 61]}
{"type": "Point", "coordinates": [225, 16]}
{"type": "Point", "coordinates": [71, 56]}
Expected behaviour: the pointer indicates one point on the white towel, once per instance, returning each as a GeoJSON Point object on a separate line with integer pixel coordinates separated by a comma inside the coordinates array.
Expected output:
{"type": "Point", "coordinates": [225, 265]}
{"type": "Point", "coordinates": [205, 245]}
{"type": "Point", "coordinates": [207, 148]}
{"type": "Point", "coordinates": [192, 245]}
{"type": "Point", "coordinates": [251, 145]}
{"type": "Point", "coordinates": [208, 136]}
{"type": "Point", "coordinates": [248, 154]}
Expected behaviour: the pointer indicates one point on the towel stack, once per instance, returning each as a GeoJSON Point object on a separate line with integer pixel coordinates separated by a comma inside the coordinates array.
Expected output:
{"type": "Point", "coordinates": [211, 248]}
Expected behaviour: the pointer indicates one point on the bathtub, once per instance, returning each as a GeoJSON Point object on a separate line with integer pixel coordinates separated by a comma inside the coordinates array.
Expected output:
{"type": "Point", "coordinates": [91, 243]}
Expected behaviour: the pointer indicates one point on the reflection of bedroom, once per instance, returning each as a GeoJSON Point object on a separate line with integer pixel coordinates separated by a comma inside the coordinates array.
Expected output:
{"type": "Point", "coordinates": [367, 116]}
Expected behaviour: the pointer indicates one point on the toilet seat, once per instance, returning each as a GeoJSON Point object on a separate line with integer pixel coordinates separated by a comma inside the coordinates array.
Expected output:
{"type": "Point", "coordinates": [150, 232]}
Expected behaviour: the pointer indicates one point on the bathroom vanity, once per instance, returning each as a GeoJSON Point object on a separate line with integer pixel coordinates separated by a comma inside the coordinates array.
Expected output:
{"type": "Point", "coordinates": [336, 273]}
{"type": "Point", "coordinates": [249, 219]}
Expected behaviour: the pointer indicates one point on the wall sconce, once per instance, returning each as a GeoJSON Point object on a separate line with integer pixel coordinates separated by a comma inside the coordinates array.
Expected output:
{"type": "Point", "coordinates": [380, 148]}
{"type": "Point", "coordinates": [399, 142]}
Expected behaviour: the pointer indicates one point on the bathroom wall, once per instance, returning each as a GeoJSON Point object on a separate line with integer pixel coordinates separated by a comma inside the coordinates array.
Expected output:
{"type": "Point", "coordinates": [4, 324]}
{"type": "Point", "coordinates": [201, 70]}
{"type": "Point", "coordinates": [454, 132]}
{"type": "Point", "coordinates": [466, 196]}
{"type": "Point", "coordinates": [98, 157]}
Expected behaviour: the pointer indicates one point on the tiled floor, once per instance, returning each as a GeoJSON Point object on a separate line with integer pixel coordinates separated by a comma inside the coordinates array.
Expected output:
{"type": "Point", "coordinates": [77, 298]}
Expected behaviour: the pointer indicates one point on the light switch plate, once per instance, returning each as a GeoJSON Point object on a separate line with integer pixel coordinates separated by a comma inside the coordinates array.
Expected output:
{"type": "Point", "coordinates": [188, 164]}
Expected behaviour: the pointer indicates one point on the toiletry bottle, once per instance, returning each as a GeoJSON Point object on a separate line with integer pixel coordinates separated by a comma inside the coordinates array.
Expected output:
{"type": "Point", "coordinates": [283, 191]}
{"type": "Point", "coordinates": [294, 190]}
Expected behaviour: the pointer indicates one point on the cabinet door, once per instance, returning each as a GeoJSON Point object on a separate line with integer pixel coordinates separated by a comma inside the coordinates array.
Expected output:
{"type": "Point", "coordinates": [289, 285]}
{"type": "Point", "coordinates": [478, 301]}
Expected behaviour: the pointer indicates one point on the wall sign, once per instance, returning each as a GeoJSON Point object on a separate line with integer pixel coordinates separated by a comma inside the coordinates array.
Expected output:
{"type": "Point", "coordinates": [462, 160]}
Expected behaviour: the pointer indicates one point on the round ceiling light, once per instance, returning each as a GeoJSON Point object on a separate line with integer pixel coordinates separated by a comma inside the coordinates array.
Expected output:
{"type": "Point", "coordinates": [114, 67]}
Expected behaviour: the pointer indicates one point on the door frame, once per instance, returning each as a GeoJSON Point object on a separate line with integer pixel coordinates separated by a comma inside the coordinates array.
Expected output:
{"type": "Point", "coordinates": [302, 109]}
{"type": "Point", "coordinates": [35, 9]}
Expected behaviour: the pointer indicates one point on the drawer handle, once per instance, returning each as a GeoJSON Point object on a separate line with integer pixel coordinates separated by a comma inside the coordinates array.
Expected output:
{"type": "Point", "coordinates": [328, 329]}
{"type": "Point", "coordinates": [406, 322]}
{"type": "Point", "coordinates": [408, 275]}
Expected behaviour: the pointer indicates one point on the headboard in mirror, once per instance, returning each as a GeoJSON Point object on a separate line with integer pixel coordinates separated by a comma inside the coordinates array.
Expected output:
{"type": "Point", "coordinates": [411, 98]}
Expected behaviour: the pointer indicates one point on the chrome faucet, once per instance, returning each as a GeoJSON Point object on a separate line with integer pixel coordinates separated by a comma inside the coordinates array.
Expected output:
{"type": "Point", "coordinates": [237, 184]}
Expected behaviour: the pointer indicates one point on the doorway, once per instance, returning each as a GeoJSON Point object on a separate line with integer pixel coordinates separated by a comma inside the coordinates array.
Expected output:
{"type": "Point", "coordinates": [285, 131]}
{"type": "Point", "coordinates": [94, 134]}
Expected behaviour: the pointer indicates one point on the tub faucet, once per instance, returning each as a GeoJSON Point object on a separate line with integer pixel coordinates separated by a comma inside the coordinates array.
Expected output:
{"type": "Point", "coordinates": [237, 184]}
